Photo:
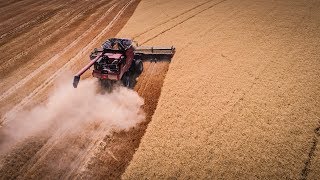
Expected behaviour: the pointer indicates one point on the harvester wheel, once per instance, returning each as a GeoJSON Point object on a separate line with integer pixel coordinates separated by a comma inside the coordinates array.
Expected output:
{"type": "Point", "coordinates": [138, 66]}
{"type": "Point", "coordinates": [126, 80]}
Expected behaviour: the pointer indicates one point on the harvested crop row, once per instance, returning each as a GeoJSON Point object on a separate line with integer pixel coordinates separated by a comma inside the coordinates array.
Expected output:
{"type": "Point", "coordinates": [47, 154]}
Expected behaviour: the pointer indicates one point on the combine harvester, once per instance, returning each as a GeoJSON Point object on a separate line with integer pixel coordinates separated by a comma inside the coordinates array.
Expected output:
{"type": "Point", "coordinates": [120, 61]}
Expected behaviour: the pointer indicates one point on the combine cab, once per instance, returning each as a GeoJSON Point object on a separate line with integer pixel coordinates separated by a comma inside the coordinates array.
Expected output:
{"type": "Point", "coordinates": [120, 61]}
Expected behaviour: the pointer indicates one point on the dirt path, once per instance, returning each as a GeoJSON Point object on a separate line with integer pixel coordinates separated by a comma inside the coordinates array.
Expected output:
{"type": "Point", "coordinates": [241, 96]}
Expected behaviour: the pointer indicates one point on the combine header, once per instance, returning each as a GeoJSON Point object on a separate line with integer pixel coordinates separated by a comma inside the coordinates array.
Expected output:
{"type": "Point", "coordinates": [118, 60]}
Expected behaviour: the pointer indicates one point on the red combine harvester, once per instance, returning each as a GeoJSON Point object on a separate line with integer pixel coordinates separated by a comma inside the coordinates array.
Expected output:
{"type": "Point", "coordinates": [119, 60]}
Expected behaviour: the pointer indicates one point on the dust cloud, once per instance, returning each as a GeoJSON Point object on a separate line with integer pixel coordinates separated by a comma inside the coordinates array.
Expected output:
{"type": "Point", "coordinates": [74, 111]}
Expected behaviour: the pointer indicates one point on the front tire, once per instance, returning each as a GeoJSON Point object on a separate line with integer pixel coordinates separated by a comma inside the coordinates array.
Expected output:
{"type": "Point", "coordinates": [138, 66]}
{"type": "Point", "coordinates": [126, 80]}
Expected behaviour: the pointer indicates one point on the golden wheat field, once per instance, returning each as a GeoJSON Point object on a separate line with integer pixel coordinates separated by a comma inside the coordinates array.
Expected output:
{"type": "Point", "coordinates": [241, 96]}
{"type": "Point", "coordinates": [240, 99]}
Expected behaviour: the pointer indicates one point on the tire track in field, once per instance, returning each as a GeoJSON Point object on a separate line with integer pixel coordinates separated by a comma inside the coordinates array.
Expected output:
{"type": "Point", "coordinates": [44, 40]}
{"type": "Point", "coordinates": [307, 165]}
{"type": "Point", "coordinates": [6, 4]}
{"type": "Point", "coordinates": [40, 154]}
{"type": "Point", "coordinates": [49, 62]}
{"type": "Point", "coordinates": [63, 13]}
{"type": "Point", "coordinates": [52, 59]}
{"type": "Point", "coordinates": [145, 84]}
{"type": "Point", "coordinates": [175, 17]}
{"type": "Point", "coordinates": [10, 114]}
{"type": "Point", "coordinates": [183, 21]}
{"type": "Point", "coordinates": [39, 18]}
{"type": "Point", "coordinates": [53, 144]}
{"type": "Point", "coordinates": [83, 158]}
{"type": "Point", "coordinates": [22, 6]}
{"type": "Point", "coordinates": [47, 48]}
